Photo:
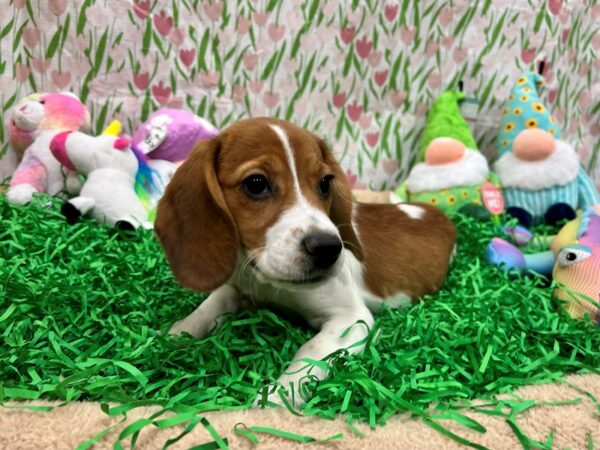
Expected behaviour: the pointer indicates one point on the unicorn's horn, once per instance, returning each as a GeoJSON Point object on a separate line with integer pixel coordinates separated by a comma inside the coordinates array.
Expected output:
{"type": "Point", "coordinates": [113, 129]}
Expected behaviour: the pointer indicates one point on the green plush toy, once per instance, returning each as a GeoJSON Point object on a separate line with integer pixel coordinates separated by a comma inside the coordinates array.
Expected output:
{"type": "Point", "coordinates": [452, 174]}
{"type": "Point", "coordinates": [445, 120]}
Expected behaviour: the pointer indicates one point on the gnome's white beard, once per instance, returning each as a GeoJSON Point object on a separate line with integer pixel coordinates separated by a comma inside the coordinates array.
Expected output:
{"type": "Point", "coordinates": [471, 170]}
{"type": "Point", "coordinates": [560, 168]}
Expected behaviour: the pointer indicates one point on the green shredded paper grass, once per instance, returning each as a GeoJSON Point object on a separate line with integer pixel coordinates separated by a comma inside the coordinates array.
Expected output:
{"type": "Point", "coordinates": [84, 313]}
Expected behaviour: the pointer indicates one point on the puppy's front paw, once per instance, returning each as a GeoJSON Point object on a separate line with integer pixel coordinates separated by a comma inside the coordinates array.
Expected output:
{"type": "Point", "coordinates": [258, 402]}
{"type": "Point", "coordinates": [193, 327]}
{"type": "Point", "coordinates": [20, 194]}
{"type": "Point", "coordinates": [280, 394]}
{"type": "Point", "coordinates": [177, 328]}
{"type": "Point", "coordinates": [273, 399]}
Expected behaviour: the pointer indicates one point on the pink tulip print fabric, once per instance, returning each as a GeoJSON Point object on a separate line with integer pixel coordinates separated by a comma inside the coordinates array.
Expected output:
{"type": "Point", "coordinates": [362, 74]}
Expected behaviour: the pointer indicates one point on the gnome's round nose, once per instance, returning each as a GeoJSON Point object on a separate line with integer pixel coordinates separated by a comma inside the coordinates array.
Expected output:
{"type": "Point", "coordinates": [447, 136]}
{"type": "Point", "coordinates": [533, 145]}
{"type": "Point", "coordinates": [444, 150]}
{"type": "Point", "coordinates": [528, 129]}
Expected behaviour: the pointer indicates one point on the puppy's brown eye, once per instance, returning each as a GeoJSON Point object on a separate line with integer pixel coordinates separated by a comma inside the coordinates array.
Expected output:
{"type": "Point", "coordinates": [256, 186]}
{"type": "Point", "coordinates": [325, 186]}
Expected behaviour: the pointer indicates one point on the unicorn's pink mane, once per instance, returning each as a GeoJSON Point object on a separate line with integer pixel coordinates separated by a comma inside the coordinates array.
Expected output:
{"type": "Point", "coordinates": [63, 112]}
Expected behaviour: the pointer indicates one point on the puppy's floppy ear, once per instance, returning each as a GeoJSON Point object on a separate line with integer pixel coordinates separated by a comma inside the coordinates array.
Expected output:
{"type": "Point", "coordinates": [341, 202]}
{"type": "Point", "coordinates": [194, 224]}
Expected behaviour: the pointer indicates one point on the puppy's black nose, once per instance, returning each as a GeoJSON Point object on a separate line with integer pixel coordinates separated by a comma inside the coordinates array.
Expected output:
{"type": "Point", "coordinates": [323, 249]}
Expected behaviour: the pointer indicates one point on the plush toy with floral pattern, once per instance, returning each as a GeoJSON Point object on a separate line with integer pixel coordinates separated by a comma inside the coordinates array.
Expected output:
{"type": "Point", "coordinates": [452, 175]}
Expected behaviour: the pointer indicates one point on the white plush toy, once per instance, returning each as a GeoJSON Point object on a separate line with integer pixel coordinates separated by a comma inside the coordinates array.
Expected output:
{"type": "Point", "coordinates": [34, 122]}
{"type": "Point", "coordinates": [120, 190]}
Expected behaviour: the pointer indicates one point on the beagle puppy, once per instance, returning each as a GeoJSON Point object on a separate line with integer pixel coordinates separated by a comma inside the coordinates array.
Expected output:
{"type": "Point", "coordinates": [262, 213]}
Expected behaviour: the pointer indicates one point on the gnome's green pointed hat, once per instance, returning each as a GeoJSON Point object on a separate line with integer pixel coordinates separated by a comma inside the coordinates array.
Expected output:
{"type": "Point", "coordinates": [445, 120]}
{"type": "Point", "coordinates": [524, 110]}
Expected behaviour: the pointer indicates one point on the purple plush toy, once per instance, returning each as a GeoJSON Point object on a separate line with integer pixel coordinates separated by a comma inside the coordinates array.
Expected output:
{"type": "Point", "coordinates": [170, 134]}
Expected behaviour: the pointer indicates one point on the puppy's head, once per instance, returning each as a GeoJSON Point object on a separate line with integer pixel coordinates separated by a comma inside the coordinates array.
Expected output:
{"type": "Point", "coordinates": [263, 189]}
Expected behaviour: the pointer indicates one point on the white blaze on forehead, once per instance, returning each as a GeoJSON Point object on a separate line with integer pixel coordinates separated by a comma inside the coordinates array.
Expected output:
{"type": "Point", "coordinates": [412, 211]}
{"type": "Point", "coordinates": [290, 157]}
{"type": "Point", "coordinates": [283, 257]}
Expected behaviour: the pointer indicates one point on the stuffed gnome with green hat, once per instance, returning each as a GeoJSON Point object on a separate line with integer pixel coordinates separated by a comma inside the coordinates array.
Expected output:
{"type": "Point", "coordinates": [541, 176]}
{"type": "Point", "coordinates": [451, 171]}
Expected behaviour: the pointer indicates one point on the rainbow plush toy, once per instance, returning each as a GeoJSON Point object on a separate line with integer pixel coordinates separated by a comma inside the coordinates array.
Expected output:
{"type": "Point", "coordinates": [121, 189]}
{"type": "Point", "coordinates": [35, 121]}
{"type": "Point", "coordinates": [573, 261]}
{"type": "Point", "coordinates": [452, 175]}
{"type": "Point", "coordinates": [540, 173]}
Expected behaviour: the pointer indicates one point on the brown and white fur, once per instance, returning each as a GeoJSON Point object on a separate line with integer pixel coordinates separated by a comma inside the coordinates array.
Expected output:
{"type": "Point", "coordinates": [284, 248]}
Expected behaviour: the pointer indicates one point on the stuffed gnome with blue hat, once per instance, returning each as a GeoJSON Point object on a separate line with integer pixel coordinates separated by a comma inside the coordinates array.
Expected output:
{"type": "Point", "coordinates": [541, 175]}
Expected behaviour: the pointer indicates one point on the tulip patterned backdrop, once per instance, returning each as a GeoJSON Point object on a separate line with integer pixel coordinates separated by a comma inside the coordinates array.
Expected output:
{"type": "Point", "coordinates": [360, 73]}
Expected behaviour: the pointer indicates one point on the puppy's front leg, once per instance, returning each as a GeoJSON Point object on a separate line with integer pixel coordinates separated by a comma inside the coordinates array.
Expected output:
{"type": "Point", "coordinates": [225, 299]}
{"type": "Point", "coordinates": [340, 331]}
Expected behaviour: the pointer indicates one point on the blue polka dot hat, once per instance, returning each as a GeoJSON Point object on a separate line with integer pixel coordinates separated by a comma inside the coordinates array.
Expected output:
{"type": "Point", "coordinates": [524, 110]}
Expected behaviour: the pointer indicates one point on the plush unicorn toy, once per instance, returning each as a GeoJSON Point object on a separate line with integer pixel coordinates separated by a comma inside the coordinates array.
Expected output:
{"type": "Point", "coordinates": [573, 261]}
{"type": "Point", "coordinates": [34, 122]}
{"type": "Point", "coordinates": [120, 190]}
{"type": "Point", "coordinates": [23, 121]}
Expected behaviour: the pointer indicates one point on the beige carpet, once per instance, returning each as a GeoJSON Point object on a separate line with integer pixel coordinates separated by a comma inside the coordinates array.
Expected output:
{"type": "Point", "coordinates": [66, 427]}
